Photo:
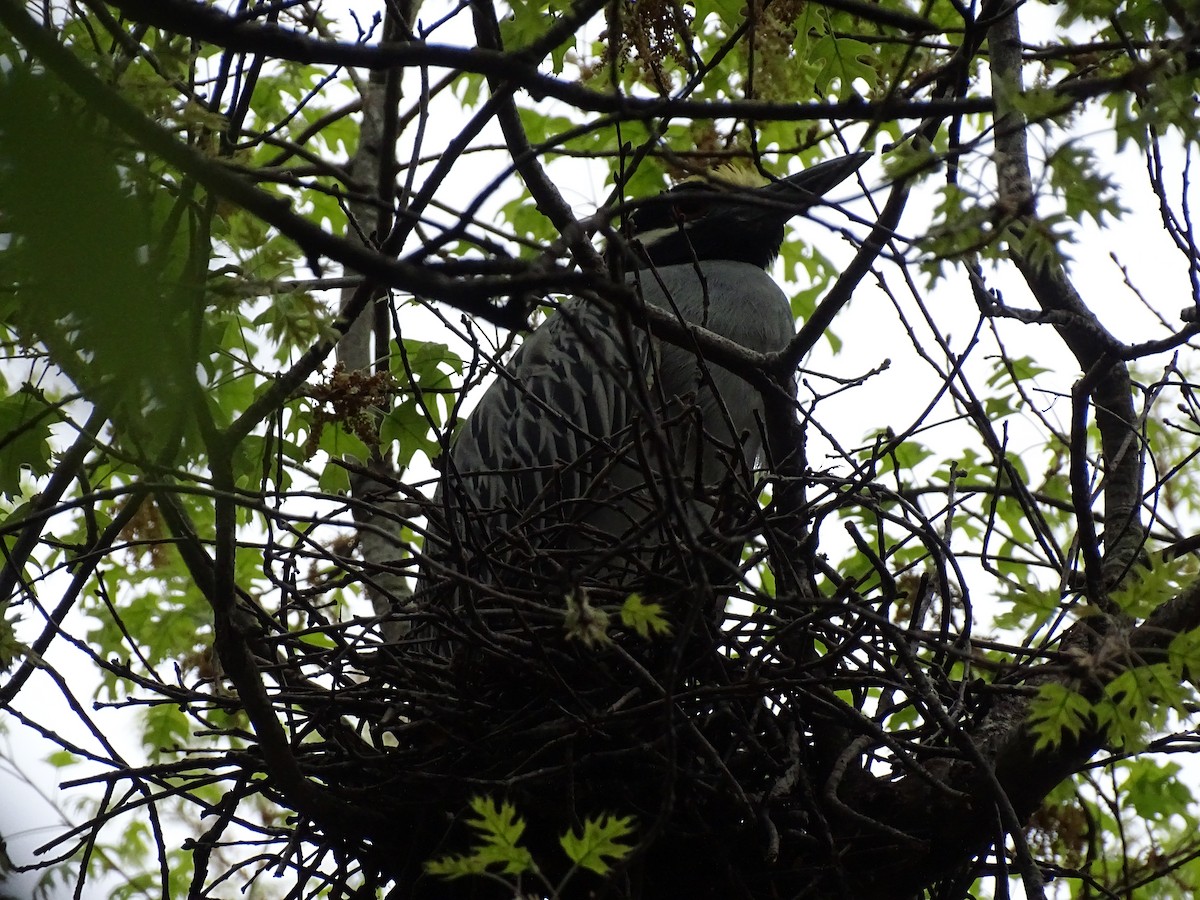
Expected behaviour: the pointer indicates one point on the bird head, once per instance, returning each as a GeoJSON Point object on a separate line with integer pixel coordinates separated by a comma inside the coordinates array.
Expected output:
{"type": "Point", "coordinates": [732, 214]}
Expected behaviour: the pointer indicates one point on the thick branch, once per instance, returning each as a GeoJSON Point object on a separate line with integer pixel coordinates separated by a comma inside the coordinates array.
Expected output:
{"type": "Point", "coordinates": [1094, 348]}
{"type": "Point", "coordinates": [374, 163]}
{"type": "Point", "coordinates": [215, 581]}
{"type": "Point", "coordinates": [209, 24]}
{"type": "Point", "coordinates": [955, 821]}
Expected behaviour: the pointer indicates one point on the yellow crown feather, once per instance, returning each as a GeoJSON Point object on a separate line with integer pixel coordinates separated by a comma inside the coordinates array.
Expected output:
{"type": "Point", "coordinates": [735, 174]}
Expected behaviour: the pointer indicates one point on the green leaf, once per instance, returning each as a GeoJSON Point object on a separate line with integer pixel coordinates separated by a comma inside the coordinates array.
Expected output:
{"type": "Point", "coordinates": [842, 61]}
{"type": "Point", "coordinates": [644, 618]}
{"type": "Point", "coordinates": [1152, 583]}
{"type": "Point", "coordinates": [407, 427]}
{"type": "Point", "coordinates": [729, 11]}
{"type": "Point", "coordinates": [908, 454]}
{"type": "Point", "coordinates": [1137, 704]}
{"type": "Point", "coordinates": [24, 440]}
{"type": "Point", "coordinates": [338, 442]}
{"type": "Point", "coordinates": [167, 729]}
{"type": "Point", "coordinates": [962, 224]}
{"type": "Point", "coordinates": [1011, 370]}
{"type": "Point", "coordinates": [60, 759]}
{"type": "Point", "coordinates": [910, 159]}
{"type": "Point", "coordinates": [82, 256]}
{"type": "Point", "coordinates": [334, 479]}
{"type": "Point", "coordinates": [528, 222]}
{"type": "Point", "coordinates": [498, 844]}
{"type": "Point", "coordinates": [1075, 177]}
{"type": "Point", "coordinates": [998, 408]}
{"type": "Point", "coordinates": [1183, 654]}
{"type": "Point", "coordinates": [292, 318]}
{"type": "Point", "coordinates": [599, 840]}
{"type": "Point", "coordinates": [1057, 711]}
{"type": "Point", "coordinates": [10, 648]}
{"type": "Point", "coordinates": [1156, 791]}
{"type": "Point", "coordinates": [423, 370]}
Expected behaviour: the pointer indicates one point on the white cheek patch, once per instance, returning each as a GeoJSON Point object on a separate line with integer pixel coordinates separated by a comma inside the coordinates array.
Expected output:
{"type": "Point", "coordinates": [648, 238]}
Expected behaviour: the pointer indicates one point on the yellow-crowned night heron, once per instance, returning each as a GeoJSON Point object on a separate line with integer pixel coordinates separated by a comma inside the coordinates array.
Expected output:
{"type": "Point", "coordinates": [603, 458]}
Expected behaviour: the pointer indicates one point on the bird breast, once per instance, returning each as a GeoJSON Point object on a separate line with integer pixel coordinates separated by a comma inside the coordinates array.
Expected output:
{"type": "Point", "coordinates": [740, 302]}
{"type": "Point", "coordinates": [595, 435]}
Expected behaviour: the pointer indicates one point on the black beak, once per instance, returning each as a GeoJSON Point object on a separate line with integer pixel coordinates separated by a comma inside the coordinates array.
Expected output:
{"type": "Point", "coordinates": [802, 191]}
{"type": "Point", "coordinates": [696, 220]}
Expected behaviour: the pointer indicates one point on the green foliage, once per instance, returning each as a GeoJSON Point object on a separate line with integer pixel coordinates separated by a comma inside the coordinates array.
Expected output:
{"type": "Point", "coordinates": [598, 843]}
{"type": "Point", "coordinates": [1135, 705]}
{"type": "Point", "coordinates": [1015, 370]}
{"type": "Point", "coordinates": [644, 618]}
{"type": "Point", "coordinates": [1042, 242]}
{"type": "Point", "coordinates": [1103, 831]}
{"type": "Point", "coordinates": [842, 61]}
{"type": "Point", "coordinates": [499, 830]}
{"type": "Point", "coordinates": [1157, 793]}
{"type": "Point", "coordinates": [498, 850]}
{"type": "Point", "coordinates": [1025, 605]}
{"type": "Point", "coordinates": [962, 225]}
{"type": "Point", "coordinates": [1183, 655]}
{"type": "Point", "coordinates": [727, 12]}
{"type": "Point", "coordinates": [527, 222]}
{"type": "Point", "coordinates": [902, 457]}
{"type": "Point", "coordinates": [25, 420]}
{"type": "Point", "coordinates": [1075, 177]}
{"type": "Point", "coordinates": [1057, 712]}
{"type": "Point", "coordinates": [61, 759]}
{"type": "Point", "coordinates": [526, 23]}
{"type": "Point", "coordinates": [166, 730]}
{"type": "Point", "coordinates": [290, 319]}
{"type": "Point", "coordinates": [809, 271]}
{"type": "Point", "coordinates": [276, 92]}
{"type": "Point", "coordinates": [912, 159]}
{"type": "Point", "coordinates": [125, 287]}
{"type": "Point", "coordinates": [79, 254]}
{"type": "Point", "coordinates": [11, 649]}
{"type": "Point", "coordinates": [1151, 582]}
{"type": "Point", "coordinates": [423, 370]}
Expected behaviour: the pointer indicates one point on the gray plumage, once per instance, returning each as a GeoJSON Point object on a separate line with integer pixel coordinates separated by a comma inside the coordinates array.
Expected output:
{"type": "Point", "coordinates": [600, 456]}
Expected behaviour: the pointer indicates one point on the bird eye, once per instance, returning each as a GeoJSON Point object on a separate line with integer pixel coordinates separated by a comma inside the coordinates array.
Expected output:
{"type": "Point", "coordinates": [691, 200]}
{"type": "Point", "coordinates": [690, 209]}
